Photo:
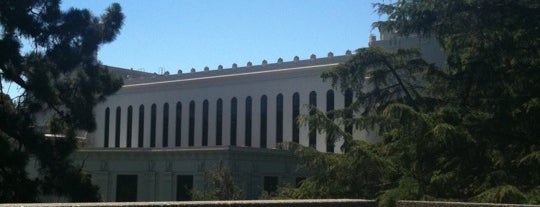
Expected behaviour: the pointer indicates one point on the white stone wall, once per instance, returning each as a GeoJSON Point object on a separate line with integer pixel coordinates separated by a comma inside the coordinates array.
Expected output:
{"type": "Point", "coordinates": [430, 48]}
{"type": "Point", "coordinates": [157, 170]}
{"type": "Point", "coordinates": [253, 83]}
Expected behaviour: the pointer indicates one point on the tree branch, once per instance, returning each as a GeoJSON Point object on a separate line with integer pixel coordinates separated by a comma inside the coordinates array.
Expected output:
{"type": "Point", "coordinates": [400, 82]}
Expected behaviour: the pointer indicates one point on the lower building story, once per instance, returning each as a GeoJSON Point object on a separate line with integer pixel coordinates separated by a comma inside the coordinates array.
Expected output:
{"type": "Point", "coordinates": [174, 174]}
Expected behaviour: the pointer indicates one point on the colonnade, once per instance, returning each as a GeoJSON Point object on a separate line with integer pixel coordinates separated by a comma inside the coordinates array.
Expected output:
{"type": "Point", "coordinates": [251, 121]}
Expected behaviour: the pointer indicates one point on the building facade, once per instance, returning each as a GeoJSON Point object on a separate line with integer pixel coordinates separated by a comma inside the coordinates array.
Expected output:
{"type": "Point", "coordinates": [159, 135]}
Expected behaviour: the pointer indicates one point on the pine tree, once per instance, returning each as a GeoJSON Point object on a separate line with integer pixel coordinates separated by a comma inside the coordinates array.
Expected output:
{"type": "Point", "coordinates": [466, 131]}
{"type": "Point", "coordinates": [60, 79]}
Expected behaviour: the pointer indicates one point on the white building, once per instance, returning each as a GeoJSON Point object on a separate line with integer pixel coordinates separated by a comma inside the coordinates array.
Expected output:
{"type": "Point", "coordinates": [251, 106]}
{"type": "Point", "coordinates": [159, 134]}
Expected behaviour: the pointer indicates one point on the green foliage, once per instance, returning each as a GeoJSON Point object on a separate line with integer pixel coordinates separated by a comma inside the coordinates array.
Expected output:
{"type": "Point", "coordinates": [465, 131]}
{"type": "Point", "coordinates": [220, 185]}
{"type": "Point", "coordinates": [62, 80]}
{"type": "Point", "coordinates": [534, 195]}
{"type": "Point", "coordinates": [501, 194]}
{"type": "Point", "coordinates": [408, 189]}
{"type": "Point", "coordinates": [341, 175]}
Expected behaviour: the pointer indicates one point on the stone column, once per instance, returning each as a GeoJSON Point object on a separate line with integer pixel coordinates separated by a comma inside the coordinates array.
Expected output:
{"type": "Point", "coordinates": [212, 112]}
{"type": "Point", "coordinates": [256, 121]}
{"type": "Point", "coordinates": [101, 179]}
{"type": "Point", "coordinates": [287, 116]}
{"type": "Point", "coordinates": [271, 120]}
{"type": "Point", "coordinates": [241, 121]}
{"type": "Point", "coordinates": [304, 130]}
{"type": "Point", "coordinates": [226, 124]}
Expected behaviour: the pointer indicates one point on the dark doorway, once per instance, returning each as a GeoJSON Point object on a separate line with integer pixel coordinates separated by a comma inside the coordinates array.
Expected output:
{"type": "Point", "coordinates": [126, 188]}
{"type": "Point", "coordinates": [184, 186]}
{"type": "Point", "coordinates": [270, 184]}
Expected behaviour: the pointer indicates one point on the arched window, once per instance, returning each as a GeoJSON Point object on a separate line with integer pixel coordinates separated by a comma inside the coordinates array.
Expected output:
{"type": "Point", "coordinates": [106, 130]}
{"type": "Point", "coordinates": [129, 126]}
{"type": "Point", "coordinates": [348, 102]}
{"type": "Point", "coordinates": [248, 121]}
{"type": "Point", "coordinates": [329, 100]}
{"type": "Point", "coordinates": [296, 113]}
{"type": "Point", "coordinates": [191, 138]}
{"type": "Point", "coordinates": [117, 127]}
{"type": "Point", "coordinates": [264, 120]}
{"type": "Point", "coordinates": [234, 123]}
{"type": "Point", "coordinates": [165, 140]}
{"type": "Point", "coordinates": [279, 118]}
{"type": "Point", "coordinates": [205, 124]}
{"type": "Point", "coordinates": [219, 121]}
{"type": "Point", "coordinates": [178, 126]}
{"type": "Point", "coordinates": [312, 111]}
{"type": "Point", "coordinates": [141, 126]}
{"type": "Point", "coordinates": [153, 111]}
{"type": "Point", "coordinates": [329, 107]}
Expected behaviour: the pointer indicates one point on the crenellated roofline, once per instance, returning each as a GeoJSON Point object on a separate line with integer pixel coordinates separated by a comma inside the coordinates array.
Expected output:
{"type": "Point", "coordinates": [144, 79]}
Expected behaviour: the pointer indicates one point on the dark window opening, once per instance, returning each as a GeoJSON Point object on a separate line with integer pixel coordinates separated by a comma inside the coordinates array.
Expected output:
{"type": "Point", "coordinates": [165, 141]}
{"type": "Point", "coordinates": [264, 120]}
{"type": "Point", "coordinates": [184, 187]}
{"type": "Point", "coordinates": [234, 111]}
{"type": "Point", "coordinates": [129, 126]}
{"type": "Point", "coordinates": [117, 129]}
{"type": "Point", "coordinates": [205, 124]}
{"type": "Point", "coordinates": [106, 133]}
{"type": "Point", "coordinates": [219, 122]}
{"type": "Point", "coordinates": [299, 181]}
{"type": "Point", "coordinates": [153, 110]}
{"type": "Point", "coordinates": [296, 113]}
{"type": "Point", "coordinates": [191, 138]}
{"type": "Point", "coordinates": [178, 125]}
{"type": "Point", "coordinates": [348, 102]}
{"type": "Point", "coordinates": [270, 184]}
{"type": "Point", "coordinates": [312, 111]}
{"type": "Point", "coordinates": [126, 188]}
{"type": "Point", "coordinates": [141, 126]}
{"type": "Point", "coordinates": [329, 107]}
{"type": "Point", "coordinates": [248, 121]}
{"type": "Point", "coordinates": [279, 118]}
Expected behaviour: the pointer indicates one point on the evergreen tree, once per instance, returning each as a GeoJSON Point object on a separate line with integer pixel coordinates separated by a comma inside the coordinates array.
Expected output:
{"type": "Point", "coordinates": [466, 131]}
{"type": "Point", "coordinates": [61, 79]}
{"type": "Point", "coordinates": [219, 185]}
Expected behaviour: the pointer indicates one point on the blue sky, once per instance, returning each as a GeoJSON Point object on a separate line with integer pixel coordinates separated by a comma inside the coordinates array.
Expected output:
{"type": "Point", "coordinates": [167, 35]}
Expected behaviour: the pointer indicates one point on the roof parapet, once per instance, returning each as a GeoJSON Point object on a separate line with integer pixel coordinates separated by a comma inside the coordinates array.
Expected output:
{"type": "Point", "coordinates": [313, 57]}
{"type": "Point", "coordinates": [264, 64]}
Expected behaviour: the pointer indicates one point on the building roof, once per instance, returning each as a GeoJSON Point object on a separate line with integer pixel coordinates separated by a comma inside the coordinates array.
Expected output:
{"type": "Point", "coordinates": [134, 77]}
{"type": "Point", "coordinates": [127, 73]}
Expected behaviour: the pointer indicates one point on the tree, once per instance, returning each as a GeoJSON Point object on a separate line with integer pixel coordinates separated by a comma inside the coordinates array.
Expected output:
{"type": "Point", "coordinates": [220, 185]}
{"type": "Point", "coordinates": [332, 174]}
{"type": "Point", "coordinates": [62, 80]}
{"type": "Point", "coordinates": [465, 131]}
{"type": "Point", "coordinates": [487, 94]}
{"type": "Point", "coordinates": [380, 80]}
